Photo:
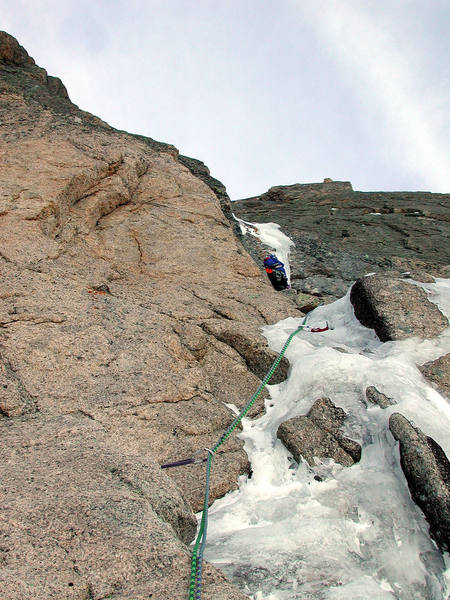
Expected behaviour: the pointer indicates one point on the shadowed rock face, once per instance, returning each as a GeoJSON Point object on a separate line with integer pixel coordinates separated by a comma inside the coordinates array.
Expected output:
{"type": "Point", "coordinates": [427, 471]}
{"type": "Point", "coordinates": [118, 270]}
{"type": "Point", "coordinates": [341, 235]}
{"type": "Point", "coordinates": [13, 55]}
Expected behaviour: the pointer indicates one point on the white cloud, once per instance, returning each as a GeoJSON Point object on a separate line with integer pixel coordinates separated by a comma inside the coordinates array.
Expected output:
{"type": "Point", "coordinates": [383, 74]}
{"type": "Point", "coordinates": [265, 93]}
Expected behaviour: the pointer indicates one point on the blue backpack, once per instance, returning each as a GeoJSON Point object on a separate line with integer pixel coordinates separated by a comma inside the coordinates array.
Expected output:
{"type": "Point", "coordinates": [272, 263]}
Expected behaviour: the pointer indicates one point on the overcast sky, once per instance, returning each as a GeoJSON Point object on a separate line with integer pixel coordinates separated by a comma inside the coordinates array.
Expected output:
{"type": "Point", "coordinates": [265, 92]}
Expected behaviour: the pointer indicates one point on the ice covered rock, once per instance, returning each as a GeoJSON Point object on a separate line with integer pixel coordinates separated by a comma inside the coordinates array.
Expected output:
{"type": "Point", "coordinates": [427, 470]}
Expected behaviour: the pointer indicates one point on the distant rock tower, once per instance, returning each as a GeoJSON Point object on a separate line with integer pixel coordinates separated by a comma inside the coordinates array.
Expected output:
{"type": "Point", "coordinates": [328, 180]}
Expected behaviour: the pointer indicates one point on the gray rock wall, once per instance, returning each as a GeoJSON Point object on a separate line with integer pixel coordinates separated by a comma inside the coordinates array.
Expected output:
{"type": "Point", "coordinates": [341, 235]}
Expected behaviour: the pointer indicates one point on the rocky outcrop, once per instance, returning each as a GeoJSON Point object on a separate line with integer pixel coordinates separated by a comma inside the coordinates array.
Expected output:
{"type": "Point", "coordinates": [396, 310]}
{"type": "Point", "coordinates": [200, 170]}
{"type": "Point", "coordinates": [318, 435]}
{"type": "Point", "coordinates": [118, 268]}
{"type": "Point", "coordinates": [341, 235]}
{"type": "Point", "coordinates": [376, 397]}
{"type": "Point", "coordinates": [438, 373]}
{"type": "Point", "coordinates": [250, 347]}
{"type": "Point", "coordinates": [13, 55]}
{"type": "Point", "coordinates": [427, 471]}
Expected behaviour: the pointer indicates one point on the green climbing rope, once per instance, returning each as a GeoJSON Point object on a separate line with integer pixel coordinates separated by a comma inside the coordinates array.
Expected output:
{"type": "Point", "coordinates": [195, 583]}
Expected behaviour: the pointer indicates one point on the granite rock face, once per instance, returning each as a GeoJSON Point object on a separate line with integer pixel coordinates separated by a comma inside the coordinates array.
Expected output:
{"type": "Point", "coordinates": [438, 373]}
{"type": "Point", "coordinates": [82, 518]}
{"type": "Point", "coordinates": [427, 471]}
{"type": "Point", "coordinates": [318, 435]}
{"type": "Point", "coordinates": [396, 310]}
{"type": "Point", "coordinates": [340, 235]}
{"type": "Point", "coordinates": [118, 267]}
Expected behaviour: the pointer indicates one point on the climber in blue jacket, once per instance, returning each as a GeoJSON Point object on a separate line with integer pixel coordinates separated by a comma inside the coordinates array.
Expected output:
{"type": "Point", "coordinates": [276, 272]}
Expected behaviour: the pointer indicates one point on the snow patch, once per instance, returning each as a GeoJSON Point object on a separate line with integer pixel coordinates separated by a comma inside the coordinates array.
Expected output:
{"type": "Point", "coordinates": [270, 235]}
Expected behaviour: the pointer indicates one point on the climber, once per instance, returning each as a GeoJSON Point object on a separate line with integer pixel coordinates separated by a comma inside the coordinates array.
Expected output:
{"type": "Point", "coordinates": [276, 272]}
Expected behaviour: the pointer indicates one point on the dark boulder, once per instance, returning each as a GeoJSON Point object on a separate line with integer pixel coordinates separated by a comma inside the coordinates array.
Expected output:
{"type": "Point", "coordinates": [376, 397]}
{"type": "Point", "coordinates": [427, 471]}
{"type": "Point", "coordinates": [438, 372]}
{"type": "Point", "coordinates": [318, 435]}
{"type": "Point", "coordinates": [396, 310]}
